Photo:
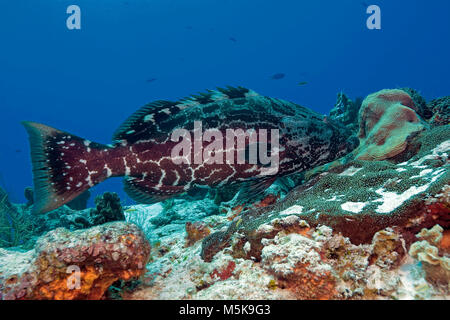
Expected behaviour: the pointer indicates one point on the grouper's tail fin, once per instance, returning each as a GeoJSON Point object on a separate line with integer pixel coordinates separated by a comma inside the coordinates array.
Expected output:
{"type": "Point", "coordinates": [64, 166]}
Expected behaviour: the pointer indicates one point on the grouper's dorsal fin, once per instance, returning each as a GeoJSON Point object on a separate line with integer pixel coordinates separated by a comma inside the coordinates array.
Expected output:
{"type": "Point", "coordinates": [237, 92]}
{"type": "Point", "coordinates": [144, 122]}
{"type": "Point", "coordinates": [211, 96]}
{"type": "Point", "coordinates": [149, 120]}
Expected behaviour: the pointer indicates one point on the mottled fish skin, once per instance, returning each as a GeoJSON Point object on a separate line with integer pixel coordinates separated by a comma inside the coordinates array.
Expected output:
{"type": "Point", "coordinates": [65, 165]}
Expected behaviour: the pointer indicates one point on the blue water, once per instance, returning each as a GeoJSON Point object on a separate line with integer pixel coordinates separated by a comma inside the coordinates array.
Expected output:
{"type": "Point", "coordinates": [88, 81]}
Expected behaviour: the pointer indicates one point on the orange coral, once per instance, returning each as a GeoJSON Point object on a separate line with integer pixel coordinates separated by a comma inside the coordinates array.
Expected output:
{"type": "Point", "coordinates": [267, 201]}
{"type": "Point", "coordinates": [445, 242]}
{"type": "Point", "coordinates": [100, 256]}
{"type": "Point", "coordinates": [195, 232]}
{"type": "Point", "coordinates": [235, 212]}
{"type": "Point", "coordinates": [306, 285]}
{"type": "Point", "coordinates": [93, 284]}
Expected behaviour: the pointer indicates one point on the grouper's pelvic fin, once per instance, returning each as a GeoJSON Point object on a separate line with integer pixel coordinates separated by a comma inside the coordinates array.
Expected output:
{"type": "Point", "coordinates": [64, 166]}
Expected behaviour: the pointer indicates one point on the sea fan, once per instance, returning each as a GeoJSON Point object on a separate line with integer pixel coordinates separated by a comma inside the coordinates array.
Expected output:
{"type": "Point", "coordinates": [15, 229]}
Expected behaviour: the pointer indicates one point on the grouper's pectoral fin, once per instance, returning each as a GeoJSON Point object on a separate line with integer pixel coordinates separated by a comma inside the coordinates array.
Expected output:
{"type": "Point", "coordinates": [144, 191]}
{"type": "Point", "coordinates": [252, 189]}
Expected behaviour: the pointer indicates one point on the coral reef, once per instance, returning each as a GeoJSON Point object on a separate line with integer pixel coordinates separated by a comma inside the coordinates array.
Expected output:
{"type": "Point", "coordinates": [196, 231]}
{"type": "Point", "coordinates": [167, 216]}
{"type": "Point", "coordinates": [441, 111]}
{"type": "Point", "coordinates": [63, 217]}
{"type": "Point", "coordinates": [26, 227]}
{"type": "Point", "coordinates": [158, 221]}
{"type": "Point", "coordinates": [15, 228]}
{"type": "Point", "coordinates": [387, 122]}
{"type": "Point", "coordinates": [346, 111]}
{"type": "Point", "coordinates": [422, 109]}
{"type": "Point", "coordinates": [361, 195]}
{"type": "Point", "coordinates": [79, 203]}
{"type": "Point", "coordinates": [296, 261]}
{"type": "Point", "coordinates": [374, 224]}
{"type": "Point", "coordinates": [29, 195]}
{"type": "Point", "coordinates": [107, 209]}
{"type": "Point", "coordinates": [435, 258]}
{"type": "Point", "coordinates": [74, 265]}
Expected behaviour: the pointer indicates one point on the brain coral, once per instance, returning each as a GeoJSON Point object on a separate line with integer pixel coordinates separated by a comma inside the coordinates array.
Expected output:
{"type": "Point", "coordinates": [386, 120]}
{"type": "Point", "coordinates": [99, 256]}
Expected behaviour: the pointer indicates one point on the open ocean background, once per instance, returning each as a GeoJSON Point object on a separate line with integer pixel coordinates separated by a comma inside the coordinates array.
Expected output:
{"type": "Point", "coordinates": [88, 81]}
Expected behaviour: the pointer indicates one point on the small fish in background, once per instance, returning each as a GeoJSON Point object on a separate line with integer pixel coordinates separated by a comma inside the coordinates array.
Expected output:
{"type": "Point", "coordinates": [232, 39]}
{"type": "Point", "coordinates": [188, 27]}
{"type": "Point", "coordinates": [278, 76]}
{"type": "Point", "coordinates": [151, 80]}
{"type": "Point", "coordinates": [302, 83]}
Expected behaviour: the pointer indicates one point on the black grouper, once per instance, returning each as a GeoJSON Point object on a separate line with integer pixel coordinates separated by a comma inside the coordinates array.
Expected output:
{"type": "Point", "coordinates": [142, 151]}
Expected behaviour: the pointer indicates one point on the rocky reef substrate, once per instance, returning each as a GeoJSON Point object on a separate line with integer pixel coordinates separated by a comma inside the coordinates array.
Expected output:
{"type": "Point", "coordinates": [373, 225]}
{"type": "Point", "coordinates": [74, 265]}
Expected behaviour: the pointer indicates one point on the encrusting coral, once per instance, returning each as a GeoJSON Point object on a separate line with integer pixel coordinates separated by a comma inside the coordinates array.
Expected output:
{"type": "Point", "coordinates": [74, 265]}
{"type": "Point", "coordinates": [196, 231]}
{"type": "Point", "coordinates": [441, 111]}
{"type": "Point", "coordinates": [295, 261]}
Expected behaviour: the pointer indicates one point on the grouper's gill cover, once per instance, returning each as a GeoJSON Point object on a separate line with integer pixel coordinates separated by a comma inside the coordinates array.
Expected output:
{"type": "Point", "coordinates": [65, 165]}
